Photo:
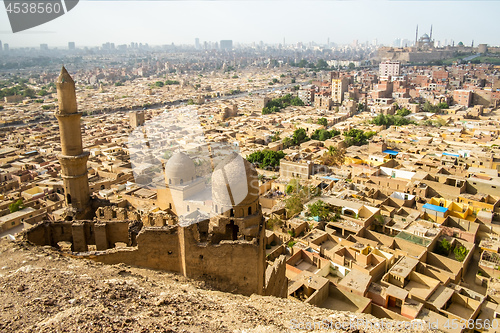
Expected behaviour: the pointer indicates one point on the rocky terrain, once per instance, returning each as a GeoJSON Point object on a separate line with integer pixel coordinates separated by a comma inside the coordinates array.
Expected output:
{"type": "Point", "coordinates": [44, 291]}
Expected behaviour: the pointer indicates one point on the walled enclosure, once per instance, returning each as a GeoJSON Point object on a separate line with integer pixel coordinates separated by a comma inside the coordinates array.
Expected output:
{"type": "Point", "coordinates": [170, 248]}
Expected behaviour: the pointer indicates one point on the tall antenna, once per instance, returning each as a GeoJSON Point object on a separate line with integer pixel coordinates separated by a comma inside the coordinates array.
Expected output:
{"type": "Point", "coordinates": [430, 37]}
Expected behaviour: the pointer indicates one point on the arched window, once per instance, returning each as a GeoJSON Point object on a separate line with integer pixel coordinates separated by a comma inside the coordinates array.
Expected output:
{"type": "Point", "coordinates": [187, 208]}
{"type": "Point", "coordinates": [216, 209]}
{"type": "Point", "coordinates": [68, 198]}
{"type": "Point", "coordinates": [250, 210]}
{"type": "Point", "coordinates": [182, 181]}
{"type": "Point", "coordinates": [170, 181]}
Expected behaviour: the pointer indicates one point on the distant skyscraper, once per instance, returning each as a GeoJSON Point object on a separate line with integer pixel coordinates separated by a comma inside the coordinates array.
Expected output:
{"type": "Point", "coordinates": [226, 44]}
{"type": "Point", "coordinates": [397, 42]}
{"type": "Point", "coordinates": [6, 47]}
{"type": "Point", "coordinates": [71, 45]}
{"type": "Point", "coordinates": [197, 43]}
{"type": "Point", "coordinates": [1, 47]}
{"type": "Point", "coordinates": [44, 47]}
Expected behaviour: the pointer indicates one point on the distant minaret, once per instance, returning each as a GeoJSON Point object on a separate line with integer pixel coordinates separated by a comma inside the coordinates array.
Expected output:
{"type": "Point", "coordinates": [416, 36]}
{"type": "Point", "coordinates": [73, 159]}
{"type": "Point", "coordinates": [472, 45]}
{"type": "Point", "coordinates": [430, 37]}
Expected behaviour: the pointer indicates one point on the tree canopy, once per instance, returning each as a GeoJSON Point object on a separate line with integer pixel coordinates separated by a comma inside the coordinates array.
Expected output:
{"type": "Point", "coordinates": [266, 158]}
{"type": "Point", "coordinates": [322, 134]}
{"type": "Point", "coordinates": [357, 137]}
{"type": "Point", "coordinates": [333, 157]}
{"type": "Point", "coordinates": [389, 120]}
{"type": "Point", "coordinates": [276, 104]}
{"type": "Point", "coordinates": [320, 209]}
{"type": "Point", "coordinates": [323, 121]}
{"type": "Point", "coordinates": [299, 136]}
{"type": "Point", "coordinates": [15, 206]}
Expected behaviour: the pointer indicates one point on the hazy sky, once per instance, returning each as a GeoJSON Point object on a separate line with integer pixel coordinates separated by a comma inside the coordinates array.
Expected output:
{"type": "Point", "coordinates": [92, 23]}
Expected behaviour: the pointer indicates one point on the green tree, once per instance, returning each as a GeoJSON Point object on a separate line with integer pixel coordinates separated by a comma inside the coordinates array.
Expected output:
{"type": "Point", "coordinates": [321, 135]}
{"type": "Point", "coordinates": [320, 209]}
{"type": "Point", "coordinates": [293, 205]}
{"type": "Point", "coordinates": [403, 112]}
{"type": "Point", "coordinates": [443, 247]}
{"type": "Point", "coordinates": [321, 64]}
{"type": "Point", "coordinates": [159, 84]}
{"type": "Point", "coordinates": [323, 121]}
{"type": "Point", "coordinates": [443, 105]}
{"type": "Point", "coordinates": [296, 101]}
{"type": "Point", "coordinates": [287, 142]}
{"type": "Point", "coordinates": [333, 157]}
{"type": "Point", "coordinates": [299, 136]}
{"type": "Point", "coordinates": [15, 206]}
{"type": "Point", "coordinates": [334, 132]}
{"type": "Point", "coordinates": [428, 107]}
{"type": "Point", "coordinates": [266, 158]}
{"type": "Point", "coordinates": [43, 92]}
{"type": "Point", "coordinates": [460, 252]}
{"type": "Point", "coordinates": [357, 137]}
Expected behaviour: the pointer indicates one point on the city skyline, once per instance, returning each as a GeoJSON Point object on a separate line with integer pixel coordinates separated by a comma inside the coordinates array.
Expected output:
{"type": "Point", "coordinates": [150, 22]}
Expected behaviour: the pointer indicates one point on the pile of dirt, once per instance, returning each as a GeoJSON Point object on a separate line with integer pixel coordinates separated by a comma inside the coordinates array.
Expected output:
{"type": "Point", "coordinates": [42, 290]}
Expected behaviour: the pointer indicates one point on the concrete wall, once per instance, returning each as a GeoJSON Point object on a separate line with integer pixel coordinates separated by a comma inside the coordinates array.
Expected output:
{"type": "Point", "coordinates": [319, 296]}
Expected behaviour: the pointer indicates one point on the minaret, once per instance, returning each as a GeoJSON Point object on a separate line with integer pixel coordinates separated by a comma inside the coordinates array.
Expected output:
{"type": "Point", "coordinates": [73, 159]}
{"type": "Point", "coordinates": [416, 36]}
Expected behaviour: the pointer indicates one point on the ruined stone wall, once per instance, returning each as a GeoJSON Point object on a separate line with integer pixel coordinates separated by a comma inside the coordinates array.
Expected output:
{"type": "Point", "coordinates": [80, 234]}
{"type": "Point", "coordinates": [235, 266]}
{"type": "Point", "coordinates": [276, 283]}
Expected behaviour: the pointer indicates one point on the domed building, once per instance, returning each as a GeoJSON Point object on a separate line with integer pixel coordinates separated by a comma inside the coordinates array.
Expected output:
{"type": "Point", "coordinates": [179, 169]}
{"type": "Point", "coordinates": [425, 42]}
{"type": "Point", "coordinates": [236, 209]}
{"type": "Point", "coordinates": [184, 192]}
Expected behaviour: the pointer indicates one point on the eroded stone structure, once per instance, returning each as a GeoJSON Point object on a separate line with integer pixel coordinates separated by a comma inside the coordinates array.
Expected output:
{"type": "Point", "coordinates": [73, 158]}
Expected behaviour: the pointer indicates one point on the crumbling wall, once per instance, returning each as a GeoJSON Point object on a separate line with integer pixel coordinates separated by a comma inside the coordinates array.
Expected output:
{"type": "Point", "coordinates": [158, 219]}
{"type": "Point", "coordinates": [79, 233]}
{"type": "Point", "coordinates": [234, 266]}
{"type": "Point", "coordinates": [276, 283]}
{"type": "Point", "coordinates": [157, 248]}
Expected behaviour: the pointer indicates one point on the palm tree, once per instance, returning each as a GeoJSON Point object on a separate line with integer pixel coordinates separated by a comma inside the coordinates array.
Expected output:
{"type": "Point", "coordinates": [332, 150]}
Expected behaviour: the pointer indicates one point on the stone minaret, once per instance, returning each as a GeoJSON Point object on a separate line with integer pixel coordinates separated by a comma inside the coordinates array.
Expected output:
{"type": "Point", "coordinates": [73, 159]}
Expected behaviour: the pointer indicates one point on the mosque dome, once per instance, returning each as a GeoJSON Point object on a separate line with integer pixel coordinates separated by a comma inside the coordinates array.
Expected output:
{"type": "Point", "coordinates": [179, 169]}
{"type": "Point", "coordinates": [234, 183]}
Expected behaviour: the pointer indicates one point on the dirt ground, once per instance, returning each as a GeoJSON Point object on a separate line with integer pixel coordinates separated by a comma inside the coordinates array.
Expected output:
{"type": "Point", "coordinates": [44, 291]}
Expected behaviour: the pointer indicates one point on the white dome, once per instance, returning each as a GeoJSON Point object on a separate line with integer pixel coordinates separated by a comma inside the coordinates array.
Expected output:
{"type": "Point", "coordinates": [179, 169]}
{"type": "Point", "coordinates": [235, 183]}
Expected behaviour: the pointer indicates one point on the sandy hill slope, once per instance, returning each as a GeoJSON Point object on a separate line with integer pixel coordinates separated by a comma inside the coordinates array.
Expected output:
{"type": "Point", "coordinates": [44, 291]}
